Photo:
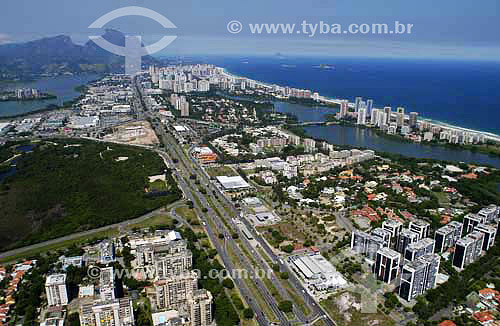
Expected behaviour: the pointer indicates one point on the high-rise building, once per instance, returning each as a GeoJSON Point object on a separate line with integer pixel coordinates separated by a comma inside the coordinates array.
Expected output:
{"type": "Point", "coordinates": [388, 112]}
{"type": "Point", "coordinates": [468, 249]}
{"type": "Point", "coordinates": [362, 116]}
{"type": "Point", "coordinates": [368, 244]}
{"type": "Point", "coordinates": [359, 241]}
{"type": "Point", "coordinates": [374, 117]}
{"type": "Point", "coordinates": [200, 308]}
{"type": "Point", "coordinates": [394, 227]}
{"type": "Point", "coordinates": [490, 232]}
{"type": "Point", "coordinates": [419, 227]}
{"type": "Point", "coordinates": [418, 276]}
{"type": "Point", "coordinates": [173, 292]}
{"type": "Point", "coordinates": [117, 312]}
{"type": "Point", "coordinates": [419, 248]}
{"type": "Point", "coordinates": [107, 284]}
{"type": "Point", "coordinates": [381, 119]}
{"type": "Point", "coordinates": [369, 107]}
{"type": "Point", "coordinates": [167, 257]}
{"type": "Point", "coordinates": [471, 221]}
{"type": "Point", "coordinates": [413, 119]}
{"type": "Point", "coordinates": [447, 236]}
{"type": "Point", "coordinates": [387, 264]}
{"type": "Point", "coordinates": [406, 237]}
{"type": "Point", "coordinates": [309, 144]}
{"type": "Point", "coordinates": [384, 235]}
{"type": "Point", "coordinates": [400, 118]}
{"type": "Point", "coordinates": [357, 104]}
{"type": "Point", "coordinates": [344, 108]}
{"type": "Point", "coordinates": [55, 288]}
{"type": "Point", "coordinates": [203, 86]}
{"type": "Point", "coordinates": [182, 105]}
{"type": "Point", "coordinates": [490, 213]}
{"type": "Point", "coordinates": [373, 245]}
{"type": "Point", "coordinates": [155, 74]}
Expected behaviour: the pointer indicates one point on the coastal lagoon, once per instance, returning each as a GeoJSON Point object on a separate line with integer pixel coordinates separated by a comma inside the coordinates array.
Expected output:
{"type": "Point", "coordinates": [61, 86]}
{"type": "Point", "coordinates": [367, 138]}
{"type": "Point", "coordinates": [460, 93]}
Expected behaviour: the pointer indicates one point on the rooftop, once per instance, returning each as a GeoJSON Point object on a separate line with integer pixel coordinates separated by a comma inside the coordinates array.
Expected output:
{"type": "Point", "coordinates": [234, 182]}
{"type": "Point", "coordinates": [56, 279]}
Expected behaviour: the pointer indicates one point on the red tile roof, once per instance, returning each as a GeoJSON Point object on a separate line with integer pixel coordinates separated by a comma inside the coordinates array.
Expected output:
{"type": "Point", "coordinates": [447, 323]}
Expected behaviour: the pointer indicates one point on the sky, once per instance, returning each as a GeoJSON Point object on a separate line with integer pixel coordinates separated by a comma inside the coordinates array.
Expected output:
{"type": "Point", "coordinates": [455, 29]}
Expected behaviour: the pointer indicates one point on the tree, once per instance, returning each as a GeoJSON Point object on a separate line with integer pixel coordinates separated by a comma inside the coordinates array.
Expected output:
{"type": "Point", "coordinates": [284, 275]}
{"type": "Point", "coordinates": [285, 306]}
{"type": "Point", "coordinates": [228, 283]}
{"type": "Point", "coordinates": [73, 319]}
{"type": "Point", "coordinates": [248, 313]}
{"type": "Point", "coordinates": [288, 248]}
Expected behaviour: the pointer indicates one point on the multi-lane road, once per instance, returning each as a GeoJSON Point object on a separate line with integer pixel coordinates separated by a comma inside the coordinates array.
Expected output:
{"type": "Point", "coordinates": [218, 219]}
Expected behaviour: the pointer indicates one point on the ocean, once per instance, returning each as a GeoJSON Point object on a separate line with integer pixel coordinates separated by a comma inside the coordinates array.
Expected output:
{"type": "Point", "coordinates": [461, 93]}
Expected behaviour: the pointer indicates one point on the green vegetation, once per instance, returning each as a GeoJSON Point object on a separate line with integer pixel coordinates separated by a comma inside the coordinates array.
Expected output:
{"type": "Point", "coordinates": [188, 214]}
{"type": "Point", "coordinates": [285, 306]}
{"type": "Point", "coordinates": [77, 185]}
{"type": "Point", "coordinates": [157, 222]}
{"type": "Point", "coordinates": [224, 312]}
{"type": "Point", "coordinates": [157, 185]}
{"type": "Point", "coordinates": [483, 191]}
{"type": "Point", "coordinates": [215, 171]}
{"type": "Point", "coordinates": [248, 313]}
{"type": "Point", "coordinates": [288, 248]}
{"type": "Point", "coordinates": [228, 283]}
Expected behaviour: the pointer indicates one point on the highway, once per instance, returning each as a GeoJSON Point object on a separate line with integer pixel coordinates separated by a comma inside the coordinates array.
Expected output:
{"type": "Point", "coordinates": [215, 225]}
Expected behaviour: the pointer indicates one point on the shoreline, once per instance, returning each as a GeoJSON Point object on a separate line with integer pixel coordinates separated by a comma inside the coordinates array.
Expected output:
{"type": "Point", "coordinates": [488, 135]}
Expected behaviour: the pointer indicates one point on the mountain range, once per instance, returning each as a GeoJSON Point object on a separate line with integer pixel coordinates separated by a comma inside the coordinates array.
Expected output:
{"type": "Point", "coordinates": [58, 54]}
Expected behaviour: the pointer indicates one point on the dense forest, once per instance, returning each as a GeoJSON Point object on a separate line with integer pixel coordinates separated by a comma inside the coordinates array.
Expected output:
{"type": "Point", "coordinates": [66, 186]}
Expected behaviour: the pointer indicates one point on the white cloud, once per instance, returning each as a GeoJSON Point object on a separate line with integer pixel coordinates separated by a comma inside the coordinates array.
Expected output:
{"type": "Point", "coordinates": [4, 38]}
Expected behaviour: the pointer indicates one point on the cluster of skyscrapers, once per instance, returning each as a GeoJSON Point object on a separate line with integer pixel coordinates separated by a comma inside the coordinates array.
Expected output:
{"type": "Point", "coordinates": [27, 93]}
{"type": "Point", "coordinates": [480, 231]}
{"type": "Point", "coordinates": [392, 250]}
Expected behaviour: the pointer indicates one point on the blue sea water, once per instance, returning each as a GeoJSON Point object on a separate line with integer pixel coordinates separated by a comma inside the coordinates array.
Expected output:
{"type": "Point", "coordinates": [462, 93]}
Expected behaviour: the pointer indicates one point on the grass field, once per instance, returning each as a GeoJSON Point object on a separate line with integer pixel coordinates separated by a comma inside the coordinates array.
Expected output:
{"type": "Point", "coordinates": [188, 214]}
{"type": "Point", "coordinates": [157, 185]}
{"type": "Point", "coordinates": [155, 221]}
{"type": "Point", "coordinates": [248, 322]}
{"type": "Point", "coordinates": [221, 170]}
